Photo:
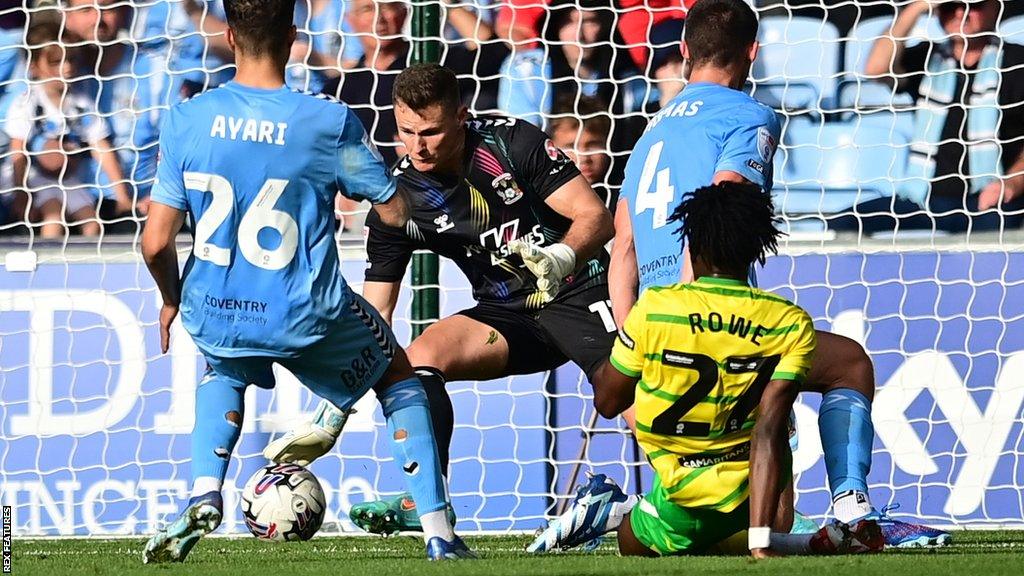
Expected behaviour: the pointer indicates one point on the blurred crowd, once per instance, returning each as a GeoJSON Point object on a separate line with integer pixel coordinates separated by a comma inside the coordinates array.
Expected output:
{"type": "Point", "coordinates": [84, 84]}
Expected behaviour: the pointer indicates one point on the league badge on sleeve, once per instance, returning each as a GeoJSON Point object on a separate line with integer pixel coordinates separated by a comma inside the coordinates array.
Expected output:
{"type": "Point", "coordinates": [766, 144]}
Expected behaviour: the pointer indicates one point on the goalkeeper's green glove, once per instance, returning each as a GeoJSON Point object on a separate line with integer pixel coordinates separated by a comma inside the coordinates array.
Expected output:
{"type": "Point", "coordinates": [309, 440]}
{"type": "Point", "coordinates": [550, 264]}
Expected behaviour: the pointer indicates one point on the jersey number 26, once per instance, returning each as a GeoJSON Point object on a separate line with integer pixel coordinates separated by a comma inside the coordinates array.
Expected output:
{"type": "Point", "coordinates": [260, 215]}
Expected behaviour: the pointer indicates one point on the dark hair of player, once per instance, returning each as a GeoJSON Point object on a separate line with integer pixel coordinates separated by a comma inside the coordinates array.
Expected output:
{"type": "Point", "coordinates": [728, 225]}
{"type": "Point", "coordinates": [261, 27]}
{"type": "Point", "coordinates": [421, 86]}
{"type": "Point", "coordinates": [720, 32]}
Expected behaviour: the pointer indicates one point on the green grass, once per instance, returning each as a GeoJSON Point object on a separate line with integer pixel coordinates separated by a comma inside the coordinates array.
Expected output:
{"type": "Point", "coordinates": [973, 554]}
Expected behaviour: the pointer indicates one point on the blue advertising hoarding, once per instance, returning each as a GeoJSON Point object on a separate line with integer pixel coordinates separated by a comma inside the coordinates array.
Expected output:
{"type": "Point", "coordinates": [95, 420]}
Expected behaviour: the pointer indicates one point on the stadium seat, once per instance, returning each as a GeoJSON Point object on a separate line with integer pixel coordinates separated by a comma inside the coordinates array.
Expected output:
{"type": "Point", "coordinates": [1012, 30]}
{"type": "Point", "coordinates": [799, 63]}
{"type": "Point", "coordinates": [827, 168]}
{"type": "Point", "coordinates": [877, 105]}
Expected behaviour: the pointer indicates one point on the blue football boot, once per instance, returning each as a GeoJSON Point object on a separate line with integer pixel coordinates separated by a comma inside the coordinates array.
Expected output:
{"type": "Point", "coordinates": [597, 509]}
{"type": "Point", "coordinates": [899, 534]}
{"type": "Point", "coordinates": [440, 549]}
{"type": "Point", "coordinates": [172, 544]}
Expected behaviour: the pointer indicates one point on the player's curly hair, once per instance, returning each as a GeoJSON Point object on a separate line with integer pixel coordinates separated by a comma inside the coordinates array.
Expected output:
{"type": "Point", "coordinates": [730, 225]}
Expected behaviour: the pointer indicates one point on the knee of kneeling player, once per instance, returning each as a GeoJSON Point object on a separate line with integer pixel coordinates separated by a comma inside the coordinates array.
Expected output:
{"type": "Point", "coordinates": [859, 371]}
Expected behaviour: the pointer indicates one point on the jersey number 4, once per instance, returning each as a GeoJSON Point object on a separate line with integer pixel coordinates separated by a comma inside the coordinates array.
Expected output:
{"type": "Point", "coordinates": [671, 423]}
{"type": "Point", "coordinates": [660, 198]}
{"type": "Point", "coordinates": [260, 215]}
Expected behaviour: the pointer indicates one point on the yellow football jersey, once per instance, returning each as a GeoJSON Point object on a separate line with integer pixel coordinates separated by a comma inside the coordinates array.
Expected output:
{"type": "Point", "coordinates": [704, 353]}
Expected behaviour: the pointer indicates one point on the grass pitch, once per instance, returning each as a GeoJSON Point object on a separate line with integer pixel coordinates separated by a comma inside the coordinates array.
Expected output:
{"type": "Point", "coordinates": [972, 554]}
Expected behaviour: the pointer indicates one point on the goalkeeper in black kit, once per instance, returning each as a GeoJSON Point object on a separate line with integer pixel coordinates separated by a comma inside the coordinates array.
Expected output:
{"type": "Point", "coordinates": [497, 197]}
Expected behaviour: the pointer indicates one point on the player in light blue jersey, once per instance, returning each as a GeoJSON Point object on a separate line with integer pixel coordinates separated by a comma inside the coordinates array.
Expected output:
{"type": "Point", "coordinates": [255, 166]}
{"type": "Point", "coordinates": [711, 133]}
{"type": "Point", "coordinates": [738, 136]}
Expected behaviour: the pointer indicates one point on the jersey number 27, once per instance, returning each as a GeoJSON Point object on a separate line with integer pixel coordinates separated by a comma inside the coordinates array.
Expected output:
{"type": "Point", "coordinates": [671, 423]}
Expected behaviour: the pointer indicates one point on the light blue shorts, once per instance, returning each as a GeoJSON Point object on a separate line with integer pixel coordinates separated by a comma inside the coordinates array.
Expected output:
{"type": "Point", "coordinates": [350, 359]}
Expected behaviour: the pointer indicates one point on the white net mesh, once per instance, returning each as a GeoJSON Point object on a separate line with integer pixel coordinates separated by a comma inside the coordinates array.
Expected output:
{"type": "Point", "coordinates": [95, 422]}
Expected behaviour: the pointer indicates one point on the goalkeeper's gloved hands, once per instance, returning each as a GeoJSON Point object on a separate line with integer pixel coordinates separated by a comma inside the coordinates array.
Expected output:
{"type": "Point", "coordinates": [550, 264]}
{"type": "Point", "coordinates": [309, 440]}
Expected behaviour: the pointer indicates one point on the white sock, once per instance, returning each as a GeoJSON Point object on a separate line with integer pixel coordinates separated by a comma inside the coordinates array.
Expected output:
{"type": "Point", "coordinates": [436, 524]}
{"type": "Point", "coordinates": [205, 484]}
{"type": "Point", "coordinates": [791, 544]}
{"type": "Point", "coordinates": [850, 506]}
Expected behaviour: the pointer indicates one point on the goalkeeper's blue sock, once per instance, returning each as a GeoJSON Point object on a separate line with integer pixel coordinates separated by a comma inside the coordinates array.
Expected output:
{"type": "Point", "coordinates": [220, 406]}
{"type": "Point", "coordinates": [847, 433]}
{"type": "Point", "coordinates": [405, 408]}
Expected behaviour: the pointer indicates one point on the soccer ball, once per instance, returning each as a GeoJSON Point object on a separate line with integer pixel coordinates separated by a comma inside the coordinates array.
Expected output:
{"type": "Point", "coordinates": [283, 502]}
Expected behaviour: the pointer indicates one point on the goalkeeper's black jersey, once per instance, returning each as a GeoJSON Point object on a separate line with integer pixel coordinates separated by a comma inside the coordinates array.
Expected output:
{"type": "Point", "coordinates": [510, 167]}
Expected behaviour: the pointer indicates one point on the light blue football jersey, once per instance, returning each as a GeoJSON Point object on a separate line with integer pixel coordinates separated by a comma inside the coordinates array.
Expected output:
{"type": "Point", "coordinates": [706, 129]}
{"type": "Point", "coordinates": [257, 171]}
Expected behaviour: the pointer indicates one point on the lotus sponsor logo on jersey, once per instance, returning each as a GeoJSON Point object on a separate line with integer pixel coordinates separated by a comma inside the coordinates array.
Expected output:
{"type": "Point", "coordinates": [443, 223]}
{"type": "Point", "coordinates": [766, 144]}
{"type": "Point", "coordinates": [507, 188]}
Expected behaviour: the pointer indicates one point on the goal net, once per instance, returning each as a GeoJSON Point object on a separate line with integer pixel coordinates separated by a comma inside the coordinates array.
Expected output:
{"type": "Point", "coordinates": [95, 422]}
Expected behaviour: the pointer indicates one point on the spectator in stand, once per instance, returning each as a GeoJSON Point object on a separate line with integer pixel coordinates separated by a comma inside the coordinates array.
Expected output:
{"type": "Point", "coordinates": [638, 20]}
{"type": "Point", "coordinates": [667, 65]}
{"type": "Point", "coordinates": [367, 87]}
{"type": "Point", "coordinates": [316, 53]}
{"type": "Point", "coordinates": [582, 129]}
{"type": "Point", "coordinates": [131, 90]}
{"type": "Point", "coordinates": [54, 128]}
{"type": "Point", "coordinates": [966, 167]}
{"type": "Point", "coordinates": [12, 33]}
{"type": "Point", "coordinates": [185, 39]}
{"type": "Point", "coordinates": [579, 59]}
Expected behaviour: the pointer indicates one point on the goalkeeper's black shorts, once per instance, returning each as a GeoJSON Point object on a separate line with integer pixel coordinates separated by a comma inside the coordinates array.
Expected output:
{"type": "Point", "coordinates": [577, 327]}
